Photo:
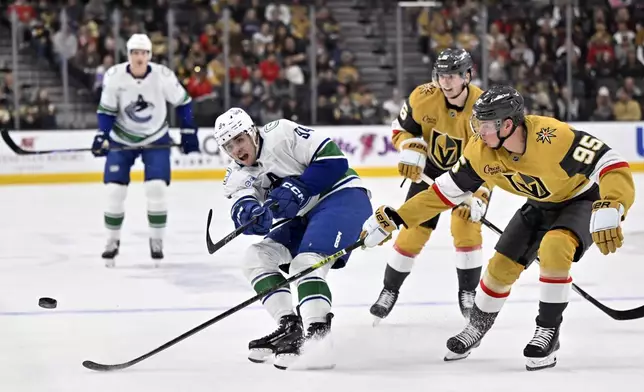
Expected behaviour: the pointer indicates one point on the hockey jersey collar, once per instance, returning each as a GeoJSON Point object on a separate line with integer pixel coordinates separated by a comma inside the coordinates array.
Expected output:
{"type": "Point", "coordinates": [147, 72]}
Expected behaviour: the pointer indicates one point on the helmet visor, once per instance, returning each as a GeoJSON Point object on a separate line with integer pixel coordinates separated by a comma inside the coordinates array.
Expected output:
{"type": "Point", "coordinates": [483, 127]}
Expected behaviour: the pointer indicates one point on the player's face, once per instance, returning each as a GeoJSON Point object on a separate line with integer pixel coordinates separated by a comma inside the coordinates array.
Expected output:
{"type": "Point", "coordinates": [139, 58]}
{"type": "Point", "coordinates": [486, 130]}
{"type": "Point", "coordinates": [451, 84]}
{"type": "Point", "coordinates": [242, 149]}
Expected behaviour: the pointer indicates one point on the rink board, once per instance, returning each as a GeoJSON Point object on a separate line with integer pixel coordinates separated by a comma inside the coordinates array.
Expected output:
{"type": "Point", "coordinates": [368, 148]}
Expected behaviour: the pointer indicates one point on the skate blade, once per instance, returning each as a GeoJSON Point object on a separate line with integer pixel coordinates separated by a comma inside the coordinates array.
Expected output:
{"type": "Point", "coordinates": [376, 321]}
{"type": "Point", "coordinates": [260, 356]}
{"type": "Point", "coordinates": [109, 263]}
{"type": "Point", "coordinates": [452, 356]}
{"type": "Point", "coordinates": [533, 364]}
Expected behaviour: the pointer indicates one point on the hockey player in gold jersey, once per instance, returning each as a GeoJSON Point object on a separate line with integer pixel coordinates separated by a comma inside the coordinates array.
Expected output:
{"type": "Point", "coordinates": [431, 132]}
{"type": "Point", "coordinates": [578, 189]}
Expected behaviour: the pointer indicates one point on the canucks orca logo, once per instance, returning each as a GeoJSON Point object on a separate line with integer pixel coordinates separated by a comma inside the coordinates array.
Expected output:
{"type": "Point", "coordinates": [140, 111]}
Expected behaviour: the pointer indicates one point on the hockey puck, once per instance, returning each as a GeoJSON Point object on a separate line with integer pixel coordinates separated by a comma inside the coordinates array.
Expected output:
{"type": "Point", "coordinates": [47, 303]}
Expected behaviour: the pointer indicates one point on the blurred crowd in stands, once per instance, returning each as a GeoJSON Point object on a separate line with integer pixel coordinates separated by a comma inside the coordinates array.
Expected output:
{"type": "Point", "coordinates": [270, 55]}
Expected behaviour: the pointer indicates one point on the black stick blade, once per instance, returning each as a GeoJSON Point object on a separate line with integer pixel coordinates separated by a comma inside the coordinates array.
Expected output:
{"type": "Point", "coordinates": [104, 368]}
{"type": "Point", "coordinates": [209, 244]}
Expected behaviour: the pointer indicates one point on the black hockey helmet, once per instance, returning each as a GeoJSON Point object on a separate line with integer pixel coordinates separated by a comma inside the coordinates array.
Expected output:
{"type": "Point", "coordinates": [453, 61]}
{"type": "Point", "coordinates": [498, 104]}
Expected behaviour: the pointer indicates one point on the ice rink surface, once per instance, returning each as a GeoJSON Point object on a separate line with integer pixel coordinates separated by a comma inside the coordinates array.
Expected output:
{"type": "Point", "coordinates": [51, 238]}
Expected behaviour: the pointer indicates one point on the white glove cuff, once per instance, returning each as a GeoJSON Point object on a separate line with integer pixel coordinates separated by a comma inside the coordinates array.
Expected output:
{"type": "Point", "coordinates": [606, 218]}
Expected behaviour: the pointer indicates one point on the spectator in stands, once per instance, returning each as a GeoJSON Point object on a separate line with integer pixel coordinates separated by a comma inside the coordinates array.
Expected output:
{"type": "Point", "coordinates": [604, 107]}
{"type": "Point", "coordinates": [251, 24]}
{"type": "Point", "coordinates": [95, 10]}
{"type": "Point", "coordinates": [626, 108]}
{"type": "Point", "coordinates": [271, 111]}
{"type": "Point", "coordinates": [346, 113]}
{"type": "Point", "coordinates": [65, 44]}
{"type": "Point", "coordinates": [278, 12]}
{"type": "Point", "coordinates": [392, 106]}
{"type": "Point", "coordinates": [281, 89]}
{"type": "Point", "coordinates": [294, 111]}
{"type": "Point", "coordinates": [46, 110]}
{"type": "Point", "coordinates": [632, 67]}
{"type": "Point", "coordinates": [198, 84]}
{"type": "Point", "coordinates": [565, 103]}
{"type": "Point", "coordinates": [368, 112]}
{"type": "Point", "coordinates": [631, 89]}
{"type": "Point", "coordinates": [238, 69]}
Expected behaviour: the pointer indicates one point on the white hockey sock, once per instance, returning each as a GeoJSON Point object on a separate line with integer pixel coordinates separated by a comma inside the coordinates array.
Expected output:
{"type": "Point", "coordinates": [115, 211]}
{"type": "Point", "coordinates": [314, 295]}
{"type": "Point", "coordinates": [468, 258]}
{"type": "Point", "coordinates": [155, 192]}
{"type": "Point", "coordinates": [261, 267]}
{"type": "Point", "coordinates": [280, 302]}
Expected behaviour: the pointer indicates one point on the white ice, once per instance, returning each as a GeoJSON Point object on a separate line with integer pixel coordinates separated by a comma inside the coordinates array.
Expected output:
{"type": "Point", "coordinates": [51, 238]}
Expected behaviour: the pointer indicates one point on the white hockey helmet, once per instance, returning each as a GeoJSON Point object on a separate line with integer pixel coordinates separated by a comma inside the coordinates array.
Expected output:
{"type": "Point", "coordinates": [232, 123]}
{"type": "Point", "coordinates": [139, 42]}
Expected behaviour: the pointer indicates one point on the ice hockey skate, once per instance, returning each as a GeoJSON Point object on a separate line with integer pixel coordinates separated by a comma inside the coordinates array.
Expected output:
{"type": "Point", "coordinates": [307, 352]}
{"type": "Point", "coordinates": [156, 250]}
{"type": "Point", "coordinates": [383, 305]}
{"type": "Point", "coordinates": [541, 352]}
{"type": "Point", "coordinates": [110, 252]}
{"type": "Point", "coordinates": [289, 329]}
{"type": "Point", "coordinates": [461, 345]}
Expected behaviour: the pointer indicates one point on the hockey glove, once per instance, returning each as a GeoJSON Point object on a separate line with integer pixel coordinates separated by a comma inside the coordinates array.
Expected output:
{"type": "Point", "coordinates": [247, 209]}
{"type": "Point", "coordinates": [412, 159]}
{"type": "Point", "coordinates": [189, 141]}
{"type": "Point", "coordinates": [101, 144]}
{"type": "Point", "coordinates": [604, 225]}
{"type": "Point", "coordinates": [290, 197]}
{"type": "Point", "coordinates": [474, 209]}
{"type": "Point", "coordinates": [380, 226]}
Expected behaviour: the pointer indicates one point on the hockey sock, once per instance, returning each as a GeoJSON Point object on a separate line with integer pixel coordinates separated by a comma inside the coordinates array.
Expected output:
{"type": "Point", "coordinates": [114, 214]}
{"type": "Point", "coordinates": [314, 294]}
{"type": "Point", "coordinates": [469, 264]}
{"type": "Point", "coordinates": [553, 299]}
{"type": "Point", "coordinates": [557, 251]}
{"type": "Point", "coordinates": [155, 191]}
{"type": "Point", "coordinates": [279, 303]}
{"type": "Point", "coordinates": [397, 270]}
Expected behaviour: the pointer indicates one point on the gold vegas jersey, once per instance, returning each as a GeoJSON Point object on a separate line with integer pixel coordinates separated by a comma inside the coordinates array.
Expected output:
{"type": "Point", "coordinates": [445, 128]}
{"type": "Point", "coordinates": [559, 163]}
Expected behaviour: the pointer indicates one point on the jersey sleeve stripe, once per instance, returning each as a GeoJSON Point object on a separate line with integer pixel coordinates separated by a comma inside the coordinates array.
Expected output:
{"type": "Point", "coordinates": [441, 196]}
{"type": "Point", "coordinates": [614, 166]}
{"type": "Point", "coordinates": [606, 163]}
{"type": "Point", "coordinates": [449, 191]}
{"type": "Point", "coordinates": [327, 150]}
{"type": "Point", "coordinates": [102, 108]}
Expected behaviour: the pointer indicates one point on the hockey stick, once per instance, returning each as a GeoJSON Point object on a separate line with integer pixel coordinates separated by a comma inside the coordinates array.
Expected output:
{"type": "Point", "coordinates": [213, 247]}
{"type": "Point", "coordinates": [19, 151]}
{"type": "Point", "coordinates": [630, 314]}
{"type": "Point", "coordinates": [101, 367]}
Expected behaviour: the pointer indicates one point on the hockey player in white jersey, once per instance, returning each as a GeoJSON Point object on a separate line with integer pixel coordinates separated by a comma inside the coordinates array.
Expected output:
{"type": "Point", "coordinates": [132, 112]}
{"type": "Point", "coordinates": [309, 180]}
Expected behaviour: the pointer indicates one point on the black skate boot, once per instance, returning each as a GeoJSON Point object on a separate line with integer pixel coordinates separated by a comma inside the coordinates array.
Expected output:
{"type": "Point", "coordinates": [541, 352]}
{"type": "Point", "coordinates": [156, 249]}
{"type": "Point", "coordinates": [110, 252]}
{"type": "Point", "coordinates": [461, 345]}
{"type": "Point", "coordinates": [466, 302]}
{"type": "Point", "coordinates": [383, 305]}
{"type": "Point", "coordinates": [289, 329]}
{"type": "Point", "coordinates": [288, 352]}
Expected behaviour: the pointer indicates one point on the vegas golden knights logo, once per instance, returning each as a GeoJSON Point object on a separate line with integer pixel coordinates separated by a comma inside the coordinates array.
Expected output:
{"type": "Point", "coordinates": [444, 149]}
{"type": "Point", "coordinates": [528, 185]}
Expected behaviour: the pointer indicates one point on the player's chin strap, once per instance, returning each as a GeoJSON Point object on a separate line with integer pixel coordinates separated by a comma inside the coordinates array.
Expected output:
{"type": "Point", "coordinates": [630, 314]}
{"type": "Point", "coordinates": [502, 139]}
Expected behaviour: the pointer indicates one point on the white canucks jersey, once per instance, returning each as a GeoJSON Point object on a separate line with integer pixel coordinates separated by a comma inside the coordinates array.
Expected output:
{"type": "Point", "coordinates": [287, 149]}
{"type": "Point", "coordinates": [139, 104]}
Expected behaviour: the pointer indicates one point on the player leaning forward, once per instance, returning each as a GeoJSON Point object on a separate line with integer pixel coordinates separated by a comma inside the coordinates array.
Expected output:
{"type": "Point", "coordinates": [572, 180]}
{"type": "Point", "coordinates": [431, 132]}
{"type": "Point", "coordinates": [308, 178]}
{"type": "Point", "coordinates": [132, 112]}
